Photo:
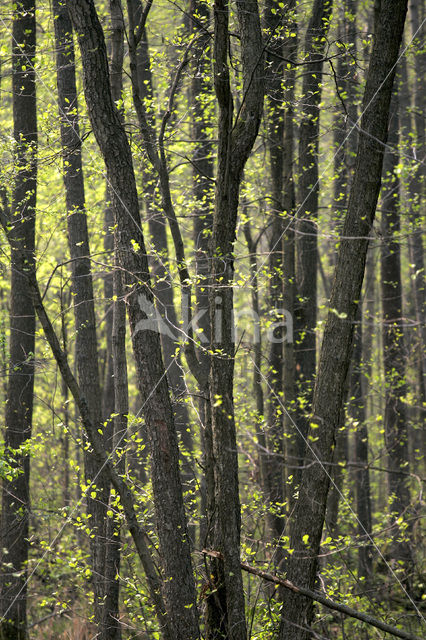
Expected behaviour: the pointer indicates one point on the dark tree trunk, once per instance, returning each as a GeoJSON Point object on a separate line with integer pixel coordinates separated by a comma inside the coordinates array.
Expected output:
{"type": "Point", "coordinates": [358, 413]}
{"type": "Point", "coordinates": [162, 279]}
{"type": "Point", "coordinates": [234, 146]}
{"type": "Point", "coordinates": [116, 80]}
{"type": "Point", "coordinates": [257, 346]}
{"type": "Point", "coordinates": [83, 299]}
{"type": "Point", "coordinates": [121, 410]}
{"type": "Point", "coordinates": [308, 190]}
{"type": "Point", "coordinates": [273, 472]}
{"type": "Point", "coordinates": [345, 138]}
{"type": "Point", "coordinates": [178, 585]}
{"type": "Point", "coordinates": [394, 357]}
{"type": "Point", "coordinates": [289, 266]}
{"type": "Point", "coordinates": [19, 405]}
{"type": "Point", "coordinates": [417, 194]}
{"type": "Point", "coordinates": [203, 188]}
{"type": "Point", "coordinates": [411, 193]}
{"type": "Point", "coordinates": [336, 347]}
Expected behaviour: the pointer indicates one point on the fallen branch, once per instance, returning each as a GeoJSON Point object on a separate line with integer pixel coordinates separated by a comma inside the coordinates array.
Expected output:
{"type": "Point", "coordinates": [317, 597]}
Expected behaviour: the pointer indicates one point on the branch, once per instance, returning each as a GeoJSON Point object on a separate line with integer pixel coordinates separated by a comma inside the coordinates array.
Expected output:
{"type": "Point", "coordinates": [317, 597]}
{"type": "Point", "coordinates": [142, 22]}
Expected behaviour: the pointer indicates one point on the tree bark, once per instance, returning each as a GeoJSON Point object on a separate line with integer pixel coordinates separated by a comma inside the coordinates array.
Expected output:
{"type": "Point", "coordinates": [336, 346]}
{"type": "Point", "coordinates": [178, 584]}
{"type": "Point", "coordinates": [19, 406]}
{"type": "Point", "coordinates": [273, 472]}
{"type": "Point", "coordinates": [358, 413]}
{"type": "Point", "coordinates": [83, 302]}
{"type": "Point", "coordinates": [203, 191]}
{"type": "Point", "coordinates": [394, 357]}
{"type": "Point", "coordinates": [234, 146]}
{"type": "Point", "coordinates": [162, 279]}
{"type": "Point", "coordinates": [308, 190]}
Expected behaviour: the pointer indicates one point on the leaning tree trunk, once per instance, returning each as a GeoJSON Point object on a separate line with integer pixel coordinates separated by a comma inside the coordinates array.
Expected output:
{"type": "Point", "coordinates": [19, 406]}
{"type": "Point", "coordinates": [336, 347]}
{"type": "Point", "coordinates": [178, 583]}
{"type": "Point", "coordinates": [394, 357]}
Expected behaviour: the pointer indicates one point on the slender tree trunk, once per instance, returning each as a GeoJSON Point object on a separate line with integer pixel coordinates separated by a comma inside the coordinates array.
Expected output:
{"type": "Point", "coordinates": [289, 246]}
{"type": "Point", "coordinates": [162, 279]}
{"type": "Point", "coordinates": [345, 140]}
{"type": "Point", "coordinates": [83, 299]}
{"type": "Point", "coordinates": [14, 524]}
{"type": "Point", "coordinates": [203, 187]}
{"type": "Point", "coordinates": [361, 391]}
{"type": "Point", "coordinates": [66, 411]}
{"type": "Point", "coordinates": [178, 585]}
{"type": "Point", "coordinates": [308, 190]}
{"type": "Point", "coordinates": [394, 357]}
{"type": "Point", "coordinates": [121, 410]}
{"type": "Point", "coordinates": [257, 346]}
{"type": "Point", "coordinates": [358, 413]}
{"type": "Point", "coordinates": [273, 468]}
{"type": "Point", "coordinates": [234, 146]}
{"type": "Point", "coordinates": [336, 347]}
{"type": "Point", "coordinates": [116, 80]}
{"type": "Point", "coordinates": [417, 194]}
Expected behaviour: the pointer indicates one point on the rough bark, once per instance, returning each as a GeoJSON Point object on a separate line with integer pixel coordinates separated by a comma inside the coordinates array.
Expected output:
{"type": "Point", "coordinates": [307, 197]}
{"type": "Point", "coordinates": [203, 188]}
{"type": "Point", "coordinates": [86, 351]}
{"type": "Point", "coordinates": [273, 472]}
{"type": "Point", "coordinates": [121, 410]}
{"type": "Point", "coordinates": [336, 346]}
{"type": "Point", "coordinates": [178, 583]}
{"type": "Point", "coordinates": [394, 356]}
{"type": "Point", "coordinates": [19, 406]}
{"type": "Point", "coordinates": [116, 80]}
{"type": "Point", "coordinates": [358, 413]}
{"type": "Point", "coordinates": [162, 279]}
{"type": "Point", "coordinates": [289, 246]}
{"type": "Point", "coordinates": [417, 194]}
{"type": "Point", "coordinates": [345, 138]}
{"type": "Point", "coordinates": [235, 143]}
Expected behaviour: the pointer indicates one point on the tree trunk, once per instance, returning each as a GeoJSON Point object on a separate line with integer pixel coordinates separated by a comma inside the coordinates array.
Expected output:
{"type": "Point", "coordinates": [289, 246]}
{"type": "Point", "coordinates": [358, 413]}
{"type": "Point", "coordinates": [162, 279]}
{"type": "Point", "coordinates": [19, 405]}
{"type": "Point", "coordinates": [234, 146]}
{"type": "Point", "coordinates": [273, 467]}
{"type": "Point", "coordinates": [178, 585]}
{"type": "Point", "coordinates": [121, 410]}
{"type": "Point", "coordinates": [83, 300]}
{"type": "Point", "coordinates": [203, 187]}
{"type": "Point", "coordinates": [336, 347]}
{"type": "Point", "coordinates": [345, 139]}
{"type": "Point", "coordinates": [395, 421]}
{"type": "Point", "coordinates": [308, 190]}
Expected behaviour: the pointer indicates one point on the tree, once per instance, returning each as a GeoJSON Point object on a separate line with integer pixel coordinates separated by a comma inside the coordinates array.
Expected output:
{"type": "Point", "coordinates": [14, 527]}
{"type": "Point", "coordinates": [336, 346]}
{"type": "Point", "coordinates": [179, 590]}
